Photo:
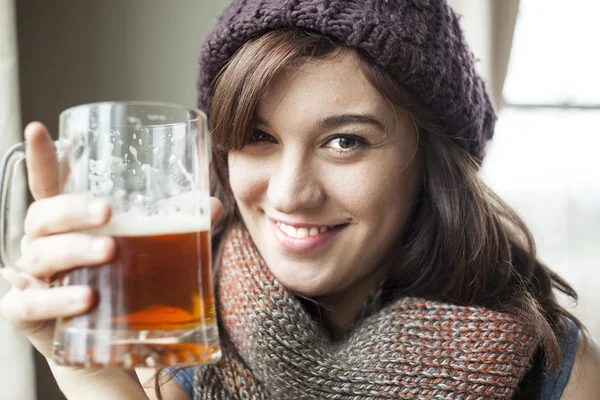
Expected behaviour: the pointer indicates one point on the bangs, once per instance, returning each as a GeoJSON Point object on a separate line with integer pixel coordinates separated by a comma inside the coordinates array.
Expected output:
{"type": "Point", "coordinates": [243, 80]}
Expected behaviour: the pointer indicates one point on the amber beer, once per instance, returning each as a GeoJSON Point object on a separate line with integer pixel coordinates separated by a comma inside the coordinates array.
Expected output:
{"type": "Point", "coordinates": [154, 301]}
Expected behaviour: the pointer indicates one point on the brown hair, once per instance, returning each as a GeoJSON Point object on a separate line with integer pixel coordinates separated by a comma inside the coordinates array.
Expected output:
{"type": "Point", "coordinates": [463, 244]}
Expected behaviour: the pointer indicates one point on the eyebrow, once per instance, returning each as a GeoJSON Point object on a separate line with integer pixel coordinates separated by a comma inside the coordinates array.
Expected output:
{"type": "Point", "coordinates": [340, 120]}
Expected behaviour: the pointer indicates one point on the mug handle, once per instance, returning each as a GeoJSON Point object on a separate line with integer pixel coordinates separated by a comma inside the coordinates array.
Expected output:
{"type": "Point", "coordinates": [8, 169]}
{"type": "Point", "coordinates": [10, 162]}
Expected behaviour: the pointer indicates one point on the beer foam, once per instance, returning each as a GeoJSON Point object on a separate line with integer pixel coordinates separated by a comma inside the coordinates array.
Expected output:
{"type": "Point", "coordinates": [162, 224]}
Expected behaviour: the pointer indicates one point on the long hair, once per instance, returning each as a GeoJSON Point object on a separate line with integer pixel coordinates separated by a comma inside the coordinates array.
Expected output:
{"type": "Point", "coordinates": [462, 245]}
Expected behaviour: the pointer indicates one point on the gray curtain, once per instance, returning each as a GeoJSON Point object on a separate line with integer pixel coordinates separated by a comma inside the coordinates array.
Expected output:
{"type": "Point", "coordinates": [17, 375]}
{"type": "Point", "coordinates": [504, 19]}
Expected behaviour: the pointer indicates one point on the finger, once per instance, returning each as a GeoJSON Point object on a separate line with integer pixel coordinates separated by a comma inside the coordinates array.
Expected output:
{"type": "Point", "coordinates": [65, 213]}
{"type": "Point", "coordinates": [216, 209]}
{"type": "Point", "coordinates": [26, 306]}
{"type": "Point", "coordinates": [14, 278]}
{"type": "Point", "coordinates": [41, 160]}
{"type": "Point", "coordinates": [22, 280]}
{"type": "Point", "coordinates": [49, 255]}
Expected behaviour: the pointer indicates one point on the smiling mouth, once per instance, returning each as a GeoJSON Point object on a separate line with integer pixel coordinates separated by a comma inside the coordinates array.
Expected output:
{"type": "Point", "coordinates": [301, 239]}
{"type": "Point", "coordinates": [299, 233]}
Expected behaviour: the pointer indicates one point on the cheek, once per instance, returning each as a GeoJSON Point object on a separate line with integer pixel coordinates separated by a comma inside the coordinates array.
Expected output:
{"type": "Point", "coordinates": [248, 179]}
{"type": "Point", "coordinates": [373, 187]}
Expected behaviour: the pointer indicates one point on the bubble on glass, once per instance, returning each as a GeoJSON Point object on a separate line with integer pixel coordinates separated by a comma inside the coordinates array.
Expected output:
{"type": "Point", "coordinates": [135, 121]}
{"type": "Point", "coordinates": [156, 117]}
{"type": "Point", "coordinates": [134, 153]}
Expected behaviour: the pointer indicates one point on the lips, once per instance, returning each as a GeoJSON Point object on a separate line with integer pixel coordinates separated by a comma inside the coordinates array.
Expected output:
{"type": "Point", "coordinates": [303, 239]}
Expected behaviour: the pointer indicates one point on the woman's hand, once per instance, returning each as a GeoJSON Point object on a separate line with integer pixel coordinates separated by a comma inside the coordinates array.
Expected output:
{"type": "Point", "coordinates": [52, 245]}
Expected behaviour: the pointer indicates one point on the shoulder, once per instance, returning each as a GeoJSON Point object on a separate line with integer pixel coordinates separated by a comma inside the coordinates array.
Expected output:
{"type": "Point", "coordinates": [584, 380]}
{"type": "Point", "coordinates": [170, 388]}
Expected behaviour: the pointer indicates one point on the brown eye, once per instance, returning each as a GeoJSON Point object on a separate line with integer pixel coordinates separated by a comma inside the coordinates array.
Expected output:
{"type": "Point", "coordinates": [346, 143]}
{"type": "Point", "coordinates": [261, 136]}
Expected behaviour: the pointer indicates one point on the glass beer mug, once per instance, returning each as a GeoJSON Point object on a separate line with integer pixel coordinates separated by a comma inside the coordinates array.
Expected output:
{"type": "Point", "coordinates": [155, 303]}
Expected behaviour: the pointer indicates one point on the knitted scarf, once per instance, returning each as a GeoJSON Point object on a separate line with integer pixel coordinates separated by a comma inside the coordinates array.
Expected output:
{"type": "Point", "coordinates": [410, 348]}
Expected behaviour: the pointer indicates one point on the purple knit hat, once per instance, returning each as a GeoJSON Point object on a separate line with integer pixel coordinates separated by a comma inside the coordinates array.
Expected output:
{"type": "Point", "coordinates": [418, 42]}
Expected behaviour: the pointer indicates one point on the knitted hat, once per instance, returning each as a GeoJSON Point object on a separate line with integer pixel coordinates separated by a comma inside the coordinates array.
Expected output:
{"type": "Point", "coordinates": [418, 42]}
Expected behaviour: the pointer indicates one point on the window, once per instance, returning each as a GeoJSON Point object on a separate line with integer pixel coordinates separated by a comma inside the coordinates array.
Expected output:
{"type": "Point", "coordinates": [545, 156]}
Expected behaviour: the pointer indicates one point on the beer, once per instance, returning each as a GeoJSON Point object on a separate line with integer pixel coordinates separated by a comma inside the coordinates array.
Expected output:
{"type": "Point", "coordinates": [154, 301]}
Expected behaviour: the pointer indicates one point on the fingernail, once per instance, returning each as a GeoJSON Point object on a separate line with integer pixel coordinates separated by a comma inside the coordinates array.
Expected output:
{"type": "Point", "coordinates": [96, 210]}
{"type": "Point", "coordinates": [100, 245]}
{"type": "Point", "coordinates": [79, 294]}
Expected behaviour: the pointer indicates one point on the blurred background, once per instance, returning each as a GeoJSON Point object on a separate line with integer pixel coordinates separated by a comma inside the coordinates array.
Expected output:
{"type": "Point", "coordinates": [539, 58]}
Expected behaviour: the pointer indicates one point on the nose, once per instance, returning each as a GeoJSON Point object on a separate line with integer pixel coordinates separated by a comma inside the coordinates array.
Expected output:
{"type": "Point", "coordinates": [295, 186]}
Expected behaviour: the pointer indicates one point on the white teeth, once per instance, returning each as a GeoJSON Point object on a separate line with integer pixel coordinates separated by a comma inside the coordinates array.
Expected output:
{"type": "Point", "coordinates": [298, 233]}
{"type": "Point", "coordinates": [302, 232]}
{"type": "Point", "coordinates": [291, 231]}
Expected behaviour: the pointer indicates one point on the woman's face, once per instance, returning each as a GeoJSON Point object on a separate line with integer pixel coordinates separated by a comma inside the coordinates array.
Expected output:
{"type": "Point", "coordinates": [329, 179]}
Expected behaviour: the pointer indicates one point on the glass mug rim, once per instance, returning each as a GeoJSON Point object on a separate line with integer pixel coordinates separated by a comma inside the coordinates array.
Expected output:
{"type": "Point", "coordinates": [194, 114]}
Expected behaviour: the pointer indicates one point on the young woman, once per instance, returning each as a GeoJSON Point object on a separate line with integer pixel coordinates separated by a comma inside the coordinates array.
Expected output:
{"type": "Point", "coordinates": [357, 253]}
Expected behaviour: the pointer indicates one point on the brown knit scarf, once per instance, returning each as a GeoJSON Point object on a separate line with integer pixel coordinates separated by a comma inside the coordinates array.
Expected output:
{"type": "Point", "coordinates": [410, 348]}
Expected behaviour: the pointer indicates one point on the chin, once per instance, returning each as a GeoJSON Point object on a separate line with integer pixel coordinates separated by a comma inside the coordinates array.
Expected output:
{"type": "Point", "coordinates": [312, 284]}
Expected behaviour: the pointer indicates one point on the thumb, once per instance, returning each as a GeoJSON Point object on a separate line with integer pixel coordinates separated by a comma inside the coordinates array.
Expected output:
{"type": "Point", "coordinates": [41, 160]}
